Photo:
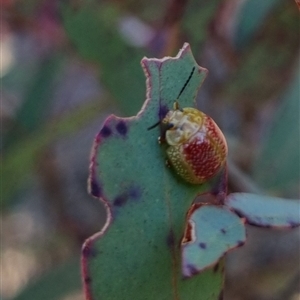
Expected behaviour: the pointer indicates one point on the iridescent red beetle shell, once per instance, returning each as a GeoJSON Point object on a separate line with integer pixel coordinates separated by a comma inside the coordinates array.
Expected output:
{"type": "Point", "coordinates": [196, 147]}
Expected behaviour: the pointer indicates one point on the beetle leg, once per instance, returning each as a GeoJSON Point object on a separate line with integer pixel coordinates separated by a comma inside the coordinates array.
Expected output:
{"type": "Point", "coordinates": [168, 164]}
{"type": "Point", "coordinates": [161, 140]}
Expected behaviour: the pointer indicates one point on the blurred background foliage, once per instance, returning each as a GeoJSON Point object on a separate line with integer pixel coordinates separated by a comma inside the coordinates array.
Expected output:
{"type": "Point", "coordinates": [66, 65]}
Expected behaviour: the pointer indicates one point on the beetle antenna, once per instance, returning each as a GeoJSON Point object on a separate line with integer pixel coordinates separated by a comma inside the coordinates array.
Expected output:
{"type": "Point", "coordinates": [176, 105]}
{"type": "Point", "coordinates": [186, 83]}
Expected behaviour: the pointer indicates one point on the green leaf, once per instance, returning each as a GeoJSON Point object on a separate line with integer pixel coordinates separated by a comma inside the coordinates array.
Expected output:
{"type": "Point", "coordinates": [265, 210]}
{"type": "Point", "coordinates": [93, 31]}
{"type": "Point", "coordinates": [55, 284]}
{"type": "Point", "coordinates": [37, 100]}
{"type": "Point", "coordinates": [137, 255]}
{"type": "Point", "coordinates": [266, 60]}
{"type": "Point", "coordinates": [213, 231]}
{"type": "Point", "coordinates": [199, 15]}
{"type": "Point", "coordinates": [21, 158]}
{"type": "Point", "coordinates": [251, 17]}
{"type": "Point", "coordinates": [277, 167]}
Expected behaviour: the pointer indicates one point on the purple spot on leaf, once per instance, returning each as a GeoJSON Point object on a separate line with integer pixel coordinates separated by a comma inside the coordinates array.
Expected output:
{"type": "Point", "coordinates": [87, 280]}
{"type": "Point", "coordinates": [240, 243]}
{"type": "Point", "coordinates": [239, 213]}
{"type": "Point", "coordinates": [192, 270]}
{"type": "Point", "coordinates": [258, 223]}
{"type": "Point", "coordinates": [170, 239]}
{"type": "Point", "coordinates": [121, 128]}
{"type": "Point", "coordinates": [202, 245]}
{"type": "Point", "coordinates": [120, 200]}
{"type": "Point", "coordinates": [87, 251]}
{"type": "Point", "coordinates": [105, 131]}
{"type": "Point", "coordinates": [163, 110]}
{"type": "Point", "coordinates": [134, 193]}
{"type": "Point", "coordinates": [95, 188]}
{"type": "Point", "coordinates": [293, 224]}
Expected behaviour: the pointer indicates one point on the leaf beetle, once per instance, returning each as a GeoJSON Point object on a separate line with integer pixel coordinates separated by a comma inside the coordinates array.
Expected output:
{"type": "Point", "coordinates": [196, 147]}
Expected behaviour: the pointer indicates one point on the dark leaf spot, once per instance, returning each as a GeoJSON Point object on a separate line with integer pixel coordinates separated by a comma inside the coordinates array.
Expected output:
{"type": "Point", "coordinates": [87, 251]}
{"type": "Point", "coordinates": [134, 193]}
{"type": "Point", "coordinates": [223, 231]}
{"type": "Point", "coordinates": [293, 224]}
{"type": "Point", "coordinates": [239, 213]}
{"type": "Point", "coordinates": [120, 200]}
{"type": "Point", "coordinates": [95, 188]}
{"type": "Point", "coordinates": [163, 110]}
{"type": "Point", "coordinates": [87, 280]}
{"type": "Point", "coordinates": [240, 243]}
{"type": "Point", "coordinates": [192, 270]}
{"type": "Point", "coordinates": [121, 128]}
{"type": "Point", "coordinates": [202, 245]}
{"type": "Point", "coordinates": [216, 268]}
{"type": "Point", "coordinates": [258, 224]}
{"type": "Point", "coordinates": [105, 131]}
{"type": "Point", "coordinates": [171, 238]}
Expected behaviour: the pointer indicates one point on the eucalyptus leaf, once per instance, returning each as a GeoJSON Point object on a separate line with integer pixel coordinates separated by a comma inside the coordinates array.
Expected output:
{"type": "Point", "coordinates": [137, 255]}
{"type": "Point", "coordinates": [251, 17]}
{"type": "Point", "coordinates": [54, 284]}
{"type": "Point", "coordinates": [93, 30]}
{"type": "Point", "coordinates": [265, 210]}
{"type": "Point", "coordinates": [277, 166]}
{"type": "Point", "coordinates": [213, 231]}
{"type": "Point", "coordinates": [21, 158]}
{"type": "Point", "coordinates": [37, 100]}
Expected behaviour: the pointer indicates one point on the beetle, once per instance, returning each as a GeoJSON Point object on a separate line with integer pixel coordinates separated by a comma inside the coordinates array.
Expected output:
{"type": "Point", "coordinates": [196, 147]}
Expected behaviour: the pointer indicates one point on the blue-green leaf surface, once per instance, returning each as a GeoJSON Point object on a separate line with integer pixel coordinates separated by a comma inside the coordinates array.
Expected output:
{"type": "Point", "coordinates": [138, 255]}
{"type": "Point", "coordinates": [93, 30]}
{"type": "Point", "coordinates": [212, 231]}
{"type": "Point", "coordinates": [265, 210]}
